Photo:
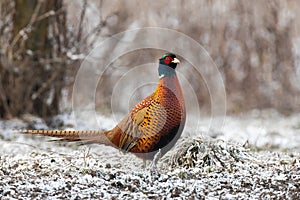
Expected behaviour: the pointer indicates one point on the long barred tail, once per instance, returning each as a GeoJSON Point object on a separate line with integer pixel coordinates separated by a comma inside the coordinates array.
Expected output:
{"type": "Point", "coordinates": [89, 136]}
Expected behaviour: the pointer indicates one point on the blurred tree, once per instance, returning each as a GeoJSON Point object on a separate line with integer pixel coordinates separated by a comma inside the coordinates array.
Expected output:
{"type": "Point", "coordinates": [32, 64]}
{"type": "Point", "coordinates": [255, 45]}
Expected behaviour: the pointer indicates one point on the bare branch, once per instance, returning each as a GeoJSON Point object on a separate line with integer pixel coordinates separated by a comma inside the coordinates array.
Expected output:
{"type": "Point", "coordinates": [81, 20]}
{"type": "Point", "coordinates": [35, 12]}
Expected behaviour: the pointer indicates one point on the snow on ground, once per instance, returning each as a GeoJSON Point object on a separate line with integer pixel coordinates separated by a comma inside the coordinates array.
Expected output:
{"type": "Point", "coordinates": [32, 167]}
{"type": "Point", "coordinates": [262, 129]}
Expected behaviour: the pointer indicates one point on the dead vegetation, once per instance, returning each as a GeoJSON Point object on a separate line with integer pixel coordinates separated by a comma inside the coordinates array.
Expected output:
{"type": "Point", "coordinates": [198, 169]}
{"type": "Point", "coordinates": [255, 45]}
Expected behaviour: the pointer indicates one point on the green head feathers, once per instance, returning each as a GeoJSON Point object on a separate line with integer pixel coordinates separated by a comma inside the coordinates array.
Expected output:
{"type": "Point", "coordinates": [167, 65]}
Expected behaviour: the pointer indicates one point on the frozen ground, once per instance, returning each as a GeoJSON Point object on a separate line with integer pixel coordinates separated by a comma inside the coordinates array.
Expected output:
{"type": "Point", "coordinates": [254, 156]}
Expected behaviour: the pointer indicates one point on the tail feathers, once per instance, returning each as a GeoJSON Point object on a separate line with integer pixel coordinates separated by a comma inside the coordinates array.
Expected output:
{"type": "Point", "coordinates": [89, 136]}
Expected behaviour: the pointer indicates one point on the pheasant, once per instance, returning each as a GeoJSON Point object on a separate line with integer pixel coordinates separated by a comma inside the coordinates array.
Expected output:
{"type": "Point", "coordinates": [152, 127]}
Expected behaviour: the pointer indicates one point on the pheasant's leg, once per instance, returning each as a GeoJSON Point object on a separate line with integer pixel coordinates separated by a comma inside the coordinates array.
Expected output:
{"type": "Point", "coordinates": [144, 164]}
{"type": "Point", "coordinates": [153, 167]}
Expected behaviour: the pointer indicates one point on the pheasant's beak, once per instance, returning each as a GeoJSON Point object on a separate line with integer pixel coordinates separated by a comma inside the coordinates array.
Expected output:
{"type": "Point", "coordinates": [176, 60]}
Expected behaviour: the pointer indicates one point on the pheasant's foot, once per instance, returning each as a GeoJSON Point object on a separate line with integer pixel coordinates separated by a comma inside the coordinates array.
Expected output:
{"type": "Point", "coordinates": [144, 164]}
{"type": "Point", "coordinates": [153, 165]}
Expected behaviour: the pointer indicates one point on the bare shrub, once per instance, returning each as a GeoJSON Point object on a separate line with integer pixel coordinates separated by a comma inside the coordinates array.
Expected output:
{"type": "Point", "coordinates": [253, 43]}
{"type": "Point", "coordinates": [33, 58]}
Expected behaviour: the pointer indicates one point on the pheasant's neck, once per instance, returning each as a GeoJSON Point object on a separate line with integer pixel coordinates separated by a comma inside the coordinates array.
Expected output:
{"type": "Point", "coordinates": [165, 71]}
{"type": "Point", "coordinates": [168, 79]}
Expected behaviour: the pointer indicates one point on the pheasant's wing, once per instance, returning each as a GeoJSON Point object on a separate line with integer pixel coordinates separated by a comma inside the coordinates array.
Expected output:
{"type": "Point", "coordinates": [130, 125]}
{"type": "Point", "coordinates": [143, 124]}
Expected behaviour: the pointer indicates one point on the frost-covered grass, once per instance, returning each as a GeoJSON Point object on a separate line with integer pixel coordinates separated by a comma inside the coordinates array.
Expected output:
{"type": "Point", "coordinates": [105, 173]}
{"type": "Point", "coordinates": [198, 167]}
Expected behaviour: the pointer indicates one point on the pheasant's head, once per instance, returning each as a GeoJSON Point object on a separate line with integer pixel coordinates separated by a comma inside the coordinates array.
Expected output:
{"type": "Point", "coordinates": [169, 59]}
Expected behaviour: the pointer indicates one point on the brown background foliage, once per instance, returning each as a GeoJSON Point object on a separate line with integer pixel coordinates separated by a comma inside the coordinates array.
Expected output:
{"type": "Point", "coordinates": [255, 45]}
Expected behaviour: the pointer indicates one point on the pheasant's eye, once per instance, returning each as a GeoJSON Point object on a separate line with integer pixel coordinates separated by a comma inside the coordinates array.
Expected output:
{"type": "Point", "coordinates": [167, 60]}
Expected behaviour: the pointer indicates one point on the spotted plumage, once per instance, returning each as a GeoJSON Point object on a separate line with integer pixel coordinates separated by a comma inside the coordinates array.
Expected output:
{"type": "Point", "coordinates": [155, 123]}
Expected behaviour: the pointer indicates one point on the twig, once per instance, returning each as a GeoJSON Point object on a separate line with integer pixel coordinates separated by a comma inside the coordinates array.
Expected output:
{"type": "Point", "coordinates": [28, 28]}
{"type": "Point", "coordinates": [49, 14]}
{"type": "Point", "coordinates": [35, 12]}
{"type": "Point", "coordinates": [4, 100]}
{"type": "Point", "coordinates": [81, 20]}
{"type": "Point", "coordinates": [45, 85]}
